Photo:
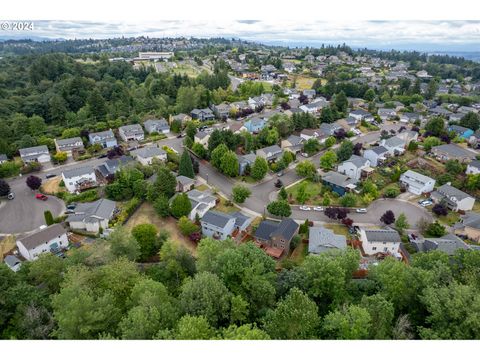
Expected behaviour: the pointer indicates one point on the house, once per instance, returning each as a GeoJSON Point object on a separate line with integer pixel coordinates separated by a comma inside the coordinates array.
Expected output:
{"type": "Point", "coordinates": [380, 241]}
{"type": "Point", "coordinates": [12, 262]}
{"type": "Point", "coordinates": [202, 114]}
{"type": "Point", "coordinates": [386, 114]}
{"type": "Point", "coordinates": [473, 167]}
{"type": "Point", "coordinates": [202, 138]}
{"type": "Point", "coordinates": [201, 201]}
{"type": "Point", "coordinates": [314, 107]}
{"type": "Point", "coordinates": [309, 93]}
{"type": "Point", "coordinates": [49, 239]}
{"type": "Point", "coordinates": [131, 132]}
{"type": "Point", "coordinates": [448, 244]}
{"type": "Point", "coordinates": [355, 167]}
{"type": "Point", "coordinates": [69, 145]}
{"type": "Point", "coordinates": [293, 143]}
{"type": "Point", "coordinates": [408, 135]}
{"type": "Point", "coordinates": [3, 158]}
{"type": "Point", "coordinates": [394, 145]}
{"type": "Point", "coordinates": [244, 161]}
{"type": "Point", "coordinates": [221, 225]}
{"type": "Point", "coordinates": [339, 183]}
{"type": "Point", "coordinates": [454, 198]}
{"type": "Point", "coordinates": [92, 216]}
{"type": "Point", "coordinates": [156, 126]}
{"type": "Point", "coordinates": [79, 179]}
{"type": "Point", "coordinates": [469, 226]}
{"type": "Point", "coordinates": [105, 138]}
{"type": "Point", "coordinates": [321, 239]}
{"type": "Point", "coordinates": [111, 166]}
{"type": "Point", "coordinates": [146, 155]}
{"type": "Point", "coordinates": [260, 101]}
{"type": "Point", "coordinates": [360, 115]}
{"type": "Point", "coordinates": [461, 131]}
{"type": "Point", "coordinates": [254, 125]}
{"type": "Point", "coordinates": [409, 117]}
{"type": "Point", "coordinates": [184, 184]}
{"type": "Point", "coordinates": [308, 134]}
{"type": "Point", "coordinates": [447, 152]}
{"type": "Point", "coordinates": [417, 183]}
{"type": "Point", "coordinates": [37, 153]}
{"type": "Point", "coordinates": [275, 236]}
{"type": "Point", "coordinates": [222, 111]}
{"type": "Point", "coordinates": [183, 118]}
{"type": "Point", "coordinates": [270, 153]}
{"type": "Point", "coordinates": [329, 129]}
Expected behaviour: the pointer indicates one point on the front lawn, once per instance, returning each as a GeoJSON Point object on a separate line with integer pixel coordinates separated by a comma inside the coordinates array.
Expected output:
{"type": "Point", "coordinates": [451, 218]}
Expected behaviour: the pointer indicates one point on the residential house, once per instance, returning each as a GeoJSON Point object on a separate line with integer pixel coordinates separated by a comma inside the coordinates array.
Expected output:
{"type": "Point", "coordinates": [275, 236]}
{"type": "Point", "coordinates": [111, 166]}
{"type": "Point", "coordinates": [49, 239]}
{"type": "Point", "coordinates": [221, 225]}
{"type": "Point", "coordinates": [293, 143]}
{"type": "Point", "coordinates": [395, 145]}
{"type": "Point", "coordinates": [79, 179]}
{"type": "Point", "coordinates": [3, 158]}
{"type": "Point", "coordinates": [386, 114]}
{"type": "Point", "coordinates": [70, 145]}
{"type": "Point", "coordinates": [461, 131]}
{"type": "Point", "coordinates": [309, 93]}
{"type": "Point", "coordinates": [408, 117]}
{"type": "Point", "coordinates": [469, 226]}
{"type": "Point", "coordinates": [339, 183]}
{"type": "Point", "coordinates": [13, 262]}
{"type": "Point", "coordinates": [222, 111]}
{"type": "Point", "coordinates": [270, 153]}
{"type": "Point", "coordinates": [408, 135]}
{"type": "Point", "coordinates": [157, 126]}
{"type": "Point", "coordinates": [440, 111]}
{"type": "Point", "coordinates": [329, 129]}
{"type": "Point", "coordinates": [105, 138]}
{"type": "Point", "coordinates": [356, 167]}
{"type": "Point", "coordinates": [321, 239]}
{"type": "Point", "coordinates": [473, 167]}
{"type": "Point", "coordinates": [308, 134]}
{"type": "Point", "coordinates": [417, 183]}
{"type": "Point", "coordinates": [254, 125]}
{"type": "Point", "coordinates": [360, 115]}
{"type": "Point", "coordinates": [447, 152]}
{"type": "Point", "coordinates": [146, 154]}
{"type": "Point", "coordinates": [448, 244]}
{"type": "Point", "coordinates": [376, 155]}
{"type": "Point", "coordinates": [201, 201]}
{"type": "Point", "coordinates": [244, 161]}
{"type": "Point", "coordinates": [202, 114]}
{"type": "Point", "coordinates": [183, 118]}
{"type": "Point", "coordinates": [92, 216]}
{"type": "Point", "coordinates": [184, 184]}
{"type": "Point", "coordinates": [202, 138]}
{"type": "Point", "coordinates": [131, 132]}
{"type": "Point", "coordinates": [37, 153]}
{"type": "Point", "coordinates": [454, 198]}
{"type": "Point", "coordinates": [314, 107]}
{"type": "Point", "coordinates": [380, 241]}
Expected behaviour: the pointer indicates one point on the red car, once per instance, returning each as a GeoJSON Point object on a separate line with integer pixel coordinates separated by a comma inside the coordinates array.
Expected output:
{"type": "Point", "coordinates": [41, 197]}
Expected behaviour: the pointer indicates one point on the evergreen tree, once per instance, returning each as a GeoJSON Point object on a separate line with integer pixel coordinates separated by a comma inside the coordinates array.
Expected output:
{"type": "Point", "coordinates": [185, 167]}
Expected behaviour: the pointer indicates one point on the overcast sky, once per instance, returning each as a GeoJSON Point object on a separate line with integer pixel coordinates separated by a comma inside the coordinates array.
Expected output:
{"type": "Point", "coordinates": [421, 35]}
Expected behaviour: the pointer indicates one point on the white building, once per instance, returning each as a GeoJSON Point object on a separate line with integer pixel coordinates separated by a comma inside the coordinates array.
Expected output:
{"type": "Point", "coordinates": [454, 198]}
{"type": "Point", "coordinates": [79, 178]}
{"type": "Point", "coordinates": [473, 167]}
{"type": "Point", "coordinates": [49, 239]}
{"type": "Point", "coordinates": [376, 155]}
{"type": "Point", "coordinates": [146, 155]}
{"type": "Point", "coordinates": [69, 145]}
{"type": "Point", "coordinates": [92, 216]}
{"type": "Point", "coordinates": [380, 241]}
{"type": "Point", "coordinates": [131, 132]}
{"type": "Point", "coordinates": [354, 166]}
{"type": "Point", "coordinates": [201, 201]}
{"type": "Point", "coordinates": [36, 153]}
{"type": "Point", "coordinates": [157, 125]}
{"type": "Point", "coordinates": [202, 138]}
{"type": "Point", "coordinates": [417, 183]}
{"type": "Point", "coordinates": [395, 145]}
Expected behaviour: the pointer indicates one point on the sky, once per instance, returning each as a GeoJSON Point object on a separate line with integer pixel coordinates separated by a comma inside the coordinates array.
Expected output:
{"type": "Point", "coordinates": [435, 35]}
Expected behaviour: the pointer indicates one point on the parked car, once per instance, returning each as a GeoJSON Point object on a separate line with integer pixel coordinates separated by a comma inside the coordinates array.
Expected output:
{"type": "Point", "coordinates": [278, 183]}
{"type": "Point", "coordinates": [426, 203]}
{"type": "Point", "coordinates": [361, 210]}
{"type": "Point", "coordinates": [11, 196]}
{"type": "Point", "coordinates": [306, 208]}
{"type": "Point", "coordinates": [280, 173]}
{"type": "Point", "coordinates": [49, 176]}
{"type": "Point", "coordinates": [180, 135]}
{"type": "Point", "coordinates": [68, 212]}
{"type": "Point", "coordinates": [71, 206]}
{"type": "Point", "coordinates": [41, 197]}
{"type": "Point", "coordinates": [304, 154]}
{"type": "Point", "coordinates": [103, 156]}
{"type": "Point", "coordinates": [318, 208]}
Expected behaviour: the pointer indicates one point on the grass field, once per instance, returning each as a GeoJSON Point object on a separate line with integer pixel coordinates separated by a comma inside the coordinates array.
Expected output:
{"type": "Point", "coordinates": [450, 219]}
{"type": "Point", "coordinates": [338, 229]}
{"type": "Point", "coordinates": [223, 206]}
{"type": "Point", "coordinates": [6, 245]}
{"type": "Point", "coordinates": [146, 215]}
{"type": "Point", "coordinates": [52, 186]}
{"type": "Point", "coordinates": [187, 69]}
{"type": "Point", "coordinates": [300, 252]}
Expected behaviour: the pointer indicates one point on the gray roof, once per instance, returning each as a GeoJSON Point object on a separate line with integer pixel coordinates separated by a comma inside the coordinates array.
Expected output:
{"type": "Point", "coordinates": [69, 142]}
{"type": "Point", "coordinates": [338, 179]}
{"type": "Point", "coordinates": [273, 149]}
{"type": "Point", "coordinates": [100, 209]}
{"type": "Point", "coordinates": [475, 163]}
{"type": "Point", "coordinates": [201, 134]}
{"type": "Point", "coordinates": [382, 235]}
{"type": "Point", "coordinates": [153, 124]}
{"type": "Point", "coordinates": [83, 170]}
{"type": "Point", "coordinates": [216, 218]}
{"type": "Point", "coordinates": [452, 192]}
{"type": "Point", "coordinates": [201, 196]}
{"type": "Point", "coordinates": [455, 150]}
{"type": "Point", "coordinates": [240, 218]}
{"type": "Point", "coordinates": [470, 219]}
{"type": "Point", "coordinates": [295, 140]}
{"type": "Point", "coordinates": [268, 228]}
{"type": "Point", "coordinates": [3, 157]}
{"type": "Point", "coordinates": [184, 180]}
{"type": "Point", "coordinates": [447, 244]}
{"type": "Point", "coordinates": [11, 261]}
{"type": "Point", "coordinates": [133, 128]}
{"type": "Point", "coordinates": [33, 240]}
{"type": "Point", "coordinates": [34, 150]}
{"type": "Point", "coordinates": [148, 152]}
{"type": "Point", "coordinates": [107, 134]}
{"type": "Point", "coordinates": [358, 161]}
{"type": "Point", "coordinates": [322, 239]}
{"type": "Point", "coordinates": [415, 176]}
{"type": "Point", "coordinates": [458, 129]}
{"type": "Point", "coordinates": [286, 229]}
{"type": "Point", "coordinates": [394, 141]}
{"type": "Point", "coordinates": [379, 150]}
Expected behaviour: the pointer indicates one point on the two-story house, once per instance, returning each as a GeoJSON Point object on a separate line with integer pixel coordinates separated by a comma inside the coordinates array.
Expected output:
{"type": "Point", "coordinates": [270, 153]}
{"type": "Point", "coordinates": [417, 183]}
{"type": "Point", "coordinates": [447, 152]}
{"type": "Point", "coordinates": [376, 155]}
{"type": "Point", "coordinates": [49, 239]}
{"type": "Point", "coordinates": [146, 154]}
{"type": "Point", "coordinates": [454, 198]}
{"type": "Point", "coordinates": [92, 216]}
{"type": "Point", "coordinates": [380, 241]}
{"type": "Point", "coordinates": [202, 114]}
{"type": "Point", "coordinates": [79, 179]}
{"type": "Point", "coordinates": [395, 145]}
{"type": "Point", "coordinates": [354, 167]}
{"type": "Point", "coordinates": [156, 126]}
{"type": "Point", "coordinates": [133, 132]}
{"type": "Point", "coordinates": [275, 237]}
{"type": "Point", "coordinates": [202, 138]}
{"type": "Point", "coordinates": [69, 145]}
{"type": "Point", "coordinates": [36, 153]}
{"type": "Point", "coordinates": [105, 138]}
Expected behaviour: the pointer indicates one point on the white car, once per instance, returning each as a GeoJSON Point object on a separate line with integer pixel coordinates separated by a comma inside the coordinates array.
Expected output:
{"type": "Point", "coordinates": [317, 208]}
{"type": "Point", "coordinates": [426, 203]}
{"type": "Point", "coordinates": [306, 208]}
{"type": "Point", "coordinates": [304, 154]}
{"type": "Point", "coordinates": [362, 210]}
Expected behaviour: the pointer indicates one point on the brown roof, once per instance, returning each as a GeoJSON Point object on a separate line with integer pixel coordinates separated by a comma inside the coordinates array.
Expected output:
{"type": "Point", "coordinates": [42, 236]}
{"type": "Point", "coordinates": [274, 252]}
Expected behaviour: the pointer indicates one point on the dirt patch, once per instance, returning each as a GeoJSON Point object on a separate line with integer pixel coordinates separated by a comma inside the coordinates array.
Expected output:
{"type": "Point", "coordinates": [146, 215]}
{"type": "Point", "coordinates": [52, 186]}
{"type": "Point", "coordinates": [7, 244]}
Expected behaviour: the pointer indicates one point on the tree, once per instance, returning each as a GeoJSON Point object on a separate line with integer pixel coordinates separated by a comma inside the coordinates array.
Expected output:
{"type": "Point", "coordinates": [96, 105]}
{"type": "Point", "coordinates": [205, 295]}
{"type": "Point", "coordinates": [199, 150]}
{"type": "Point", "coordinates": [471, 121]}
{"type": "Point", "coordinates": [430, 142]}
{"type": "Point", "coordinates": [401, 224]}
{"type": "Point", "coordinates": [369, 95]}
{"type": "Point", "coordinates": [229, 164]}
{"type": "Point", "coordinates": [435, 230]}
{"type": "Point", "coordinates": [435, 126]}
{"type": "Point", "coordinates": [162, 206]}
{"type": "Point", "coordinates": [349, 323]}
{"type": "Point", "coordinates": [46, 271]}
{"type": "Point", "coordinates": [302, 194]}
{"type": "Point", "coordinates": [165, 183]}
{"type": "Point", "coordinates": [295, 317]}
{"type": "Point", "coordinates": [146, 237]}
{"type": "Point", "coordinates": [244, 332]}
{"type": "Point", "coordinates": [282, 194]}
{"type": "Point", "coordinates": [34, 182]}
{"type": "Point", "coordinates": [191, 130]}
{"type": "Point", "coordinates": [185, 167]}
{"type": "Point", "coordinates": [47, 214]}
{"type": "Point", "coordinates": [217, 155]}
{"type": "Point", "coordinates": [440, 209]}
{"type": "Point", "coordinates": [348, 200]}
{"type": "Point", "coordinates": [259, 168]}
{"type": "Point", "coordinates": [382, 313]}
{"type": "Point", "coordinates": [306, 168]}
{"type": "Point", "coordinates": [431, 89]}
{"type": "Point", "coordinates": [345, 151]}
{"type": "Point", "coordinates": [240, 193]}
{"type": "Point", "coordinates": [341, 102]}
{"type": "Point", "coordinates": [311, 146]}
{"type": "Point", "coordinates": [454, 167]}
{"type": "Point", "coordinates": [330, 141]}
{"type": "Point", "coordinates": [180, 206]}
{"type": "Point", "coordinates": [328, 160]}
{"type": "Point", "coordinates": [279, 208]}
{"type": "Point", "coordinates": [186, 226]}
{"type": "Point", "coordinates": [4, 188]}
{"type": "Point", "coordinates": [388, 217]}
{"type": "Point", "coordinates": [123, 244]}
{"type": "Point", "coordinates": [194, 328]}
{"type": "Point", "coordinates": [60, 156]}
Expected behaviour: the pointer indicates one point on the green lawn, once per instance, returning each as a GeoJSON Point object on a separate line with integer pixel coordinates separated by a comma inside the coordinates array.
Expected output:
{"type": "Point", "coordinates": [338, 229]}
{"type": "Point", "coordinates": [450, 219]}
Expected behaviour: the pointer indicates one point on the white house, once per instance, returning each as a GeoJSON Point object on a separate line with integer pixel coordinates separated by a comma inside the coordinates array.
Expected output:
{"type": "Point", "coordinates": [202, 138]}
{"type": "Point", "coordinates": [376, 155]}
{"type": "Point", "coordinates": [360, 115]}
{"type": "Point", "coordinates": [395, 145]}
{"type": "Point", "coordinates": [79, 178]}
{"type": "Point", "coordinates": [92, 216]}
{"type": "Point", "coordinates": [417, 183]}
{"type": "Point", "coordinates": [473, 167]}
{"type": "Point", "coordinates": [201, 201]}
{"type": "Point", "coordinates": [131, 132]}
{"type": "Point", "coordinates": [51, 238]}
{"type": "Point", "coordinates": [270, 153]}
{"type": "Point", "coordinates": [386, 114]}
{"type": "Point", "coordinates": [380, 241]}
{"type": "Point", "coordinates": [36, 153]}
{"type": "Point", "coordinates": [315, 106]}
{"type": "Point", "coordinates": [105, 138]}
{"type": "Point", "coordinates": [454, 198]}
{"type": "Point", "coordinates": [217, 225]}
{"type": "Point", "coordinates": [13, 262]}
{"type": "Point", "coordinates": [146, 155]}
{"type": "Point", "coordinates": [354, 166]}
{"type": "Point", "coordinates": [69, 145]}
{"type": "Point", "coordinates": [157, 125]}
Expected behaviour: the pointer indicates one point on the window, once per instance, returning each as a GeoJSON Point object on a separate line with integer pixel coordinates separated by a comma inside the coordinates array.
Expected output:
{"type": "Point", "coordinates": [385, 249]}
{"type": "Point", "coordinates": [374, 248]}
{"type": "Point", "coordinates": [384, 242]}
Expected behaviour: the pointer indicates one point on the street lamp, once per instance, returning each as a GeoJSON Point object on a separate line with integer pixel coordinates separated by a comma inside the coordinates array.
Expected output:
{"type": "Point", "coordinates": [207, 177]}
